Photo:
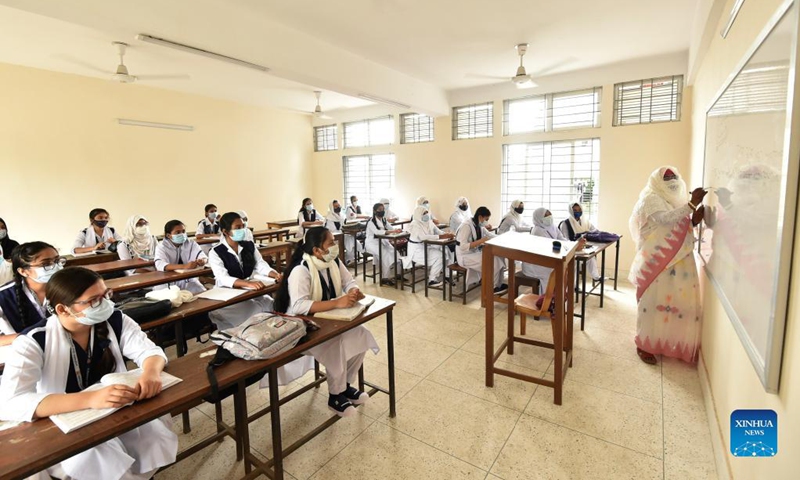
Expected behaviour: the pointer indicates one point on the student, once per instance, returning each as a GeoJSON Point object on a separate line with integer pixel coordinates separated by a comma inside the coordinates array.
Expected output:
{"type": "Point", "coordinates": [53, 362]}
{"type": "Point", "coordinates": [471, 235]}
{"type": "Point", "coordinates": [98, 235]}
{"type": "Point", "coordinates": [6, 244]}
{"type": "Point", "coordinates": [424, 202]}
{"type": "Point", "coordinates": [420, 229]}
{"type": "Point", "coordinates": [308, 217]}
{"type": "Point", "coordinates": [390, 216]}
{"type": "Point", "coordinates": [378, 225]}
{"type": "Point", "coordinates": [354, 214]}
{"type": "Point", "coordinates": [208, 226]}
{"type": "Point", "coordinates": [137, 242]}
{"type": "Point", "coordinates": [22, 302]}
{"type": "Point", "coordinates": [574, 227]}
{"type": "Point", "coordinates": [248, 235]}
{"type": "Point", "coordinates": [333, 222]}
{"type": "Point", "coordinates": [237, 264]}
{"type": "Point", "coordinates": [317, 282]}
{"type": "Point", "coordinates": [178, 252]}
{"type": "Point", "coordinates": [461, 214]}
{"type": "Point", "coordinates": [543, 227]}
{"type": "Point", "coordinates": [513, 220]}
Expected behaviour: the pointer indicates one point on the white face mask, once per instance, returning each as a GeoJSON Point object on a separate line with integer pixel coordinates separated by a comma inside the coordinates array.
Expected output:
{"type": "Point", "coordinates": [548, 221]}
{"type": "Point", "coordinates": [42, 275]}
{"type": "Point", "coordinates": [142, 231]}
{"type": "Point", "coordinates": [673, 185]}
{"type": "Point", "coordinates": [98, 314]}
{"type": "Point", "coordinates": [333, 252]}
{"type": "Point", "coordinates": [212, 216]}
{"type": "Point", "coordinates": [3, 233]}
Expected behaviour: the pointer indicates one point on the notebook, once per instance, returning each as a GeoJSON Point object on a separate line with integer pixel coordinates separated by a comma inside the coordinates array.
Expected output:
{"type": "Point", "coordinates": [222, 294]}
{"type": "Point", "coordinates": [347, 314]}
{"type": "Point", "coordinates": [70, 421]}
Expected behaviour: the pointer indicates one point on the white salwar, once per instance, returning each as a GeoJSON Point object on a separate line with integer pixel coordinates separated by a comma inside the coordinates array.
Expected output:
{"type": "Point", "coordinates": [31, 374]}
{"type": "Point", "coordinates": [376, 226]}
{"type": "Point", "coordinates": [419, 232]}
{"type": "Point", "coordinates": [472, 258]}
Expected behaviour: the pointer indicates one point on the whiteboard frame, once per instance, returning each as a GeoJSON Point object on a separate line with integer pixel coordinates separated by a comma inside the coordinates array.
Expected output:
{"type": "Point", "coordinates": [769, 370]}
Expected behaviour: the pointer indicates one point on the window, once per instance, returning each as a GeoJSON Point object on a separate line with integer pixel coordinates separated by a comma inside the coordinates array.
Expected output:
{"type": "Point", "coordinates": [473, 121]}
{"type": "Point", "coordinates": [367, 133]}
{"type": "Point", "coordinates": [758, 88]}
{"type": "Point", "coordinates": [416, 128]}
{"type": "Point", "coordinates": [554, 111]}
{"type": "Point", "coordinates": [325, 138]}
{"type": "Point", "coordinates": [648, 101]}
{"type": "Point", "coordinates": [551, 175]}
{"type": "Point", "coordinates": [369, 177]}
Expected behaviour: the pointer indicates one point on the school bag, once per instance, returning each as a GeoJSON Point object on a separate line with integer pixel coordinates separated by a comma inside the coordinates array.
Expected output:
{"type": "Point", "coordinates": [601, 237]}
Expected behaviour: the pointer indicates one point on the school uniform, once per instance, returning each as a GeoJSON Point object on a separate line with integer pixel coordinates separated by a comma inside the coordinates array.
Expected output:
{"type": "Point", "coordinates": [541, 230]}
{"type": "Point", "coordinates": [334, 222]}
{"type": "Point", "coordinates": [11, 321]}
{"type": "Point", "coordinates": [472, 258]}
{"type": "Point", "coordinates": [458, 217]}
{"type": "Point", "coordinates": [513, 222]}
{"type": "Point", "coordinates": [380, 226]}
{"type": "Point", "coordinates": [228, 267]}
{"type": "Point", "coordinates": [43, 362]}
{"type": "Point", "coordinates": [167, 253]}
{"type": "Point", "coordinates": [419, 232]}
{"type": "Point", "coordinates": [6, 270]}
{"type": "Point", "coordinates": [126, 252]}
{"type": "Point", "coordinates": [343, 355]}
{"type": "Point", "coordinates": [89, 238]}
{"type": "Point", "coordinates": [306, 216]}
{"type": "Point", "coordinates": [574, 229]}
{"type": "Point", "coordinates": [206, 227]}
{"type": "Point", "coordinates": [352, 213]}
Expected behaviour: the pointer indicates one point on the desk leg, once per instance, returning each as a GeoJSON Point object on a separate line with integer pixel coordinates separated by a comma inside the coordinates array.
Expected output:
{"type": "Point", "coordinates": [616, 265]}
{"type": "Point", "coordinates": [317, 373]}
{"type": "Point", "coordinates": [398, 272]}
{"type": "Point", "coordinates": [602, 277]}
{"type": "Point", "coordinates": [487, 284]}
{"type": "Point", "coordinates": [445, 283]}
{"type": "Point", "coordinates": [569, 318]}
{"type": "Point", "coordinates": [356, 254]}
{"type": "Point", "coordinates": [275, 416]}
{"type": "Point", "coordinates": [425, 281]}
{"type": "Point", "coordinates": [242, 428]}
{"type": "Point", "coordinates": [390, 354]}
{"type": "Point", "coordinates": [380, 260]}
{"type": "Point", "coordinates": [341, 248]}
{"type": "Point", "coordinates": [558, 334]}
{"type": "Point", "coordinates": [511, 311]}
{"type": "Point", "coordinates": [583, 294]}
{"type": "Point", "coordinates": [180, 348]}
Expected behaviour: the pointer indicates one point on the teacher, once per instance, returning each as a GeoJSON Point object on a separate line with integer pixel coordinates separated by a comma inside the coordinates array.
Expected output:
{"type": "Point", "coordinates": [664, 270]}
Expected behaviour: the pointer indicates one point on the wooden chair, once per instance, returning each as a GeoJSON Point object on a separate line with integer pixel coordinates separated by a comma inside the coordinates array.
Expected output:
{"type": "Point", "coordinates": [366, 256]}
{"type": "Point", "coordinates": [414, 281]}
{"type": "Point", "coordinates": [525, 304]}
{"type": "Point", "coordinates": [460, 273]}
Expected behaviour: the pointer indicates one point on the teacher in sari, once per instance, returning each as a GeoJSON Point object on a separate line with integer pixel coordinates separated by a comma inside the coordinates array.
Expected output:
{"type": "Point", "coordinates": [664, 270]}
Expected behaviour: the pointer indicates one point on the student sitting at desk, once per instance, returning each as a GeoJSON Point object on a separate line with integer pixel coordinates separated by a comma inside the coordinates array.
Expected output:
{"type": "Point", "coordinates": [308, 217]}
{"type": "Point", "coordinates": [543, 227]}
{"type": "Point", "coordinates": [54, 361]}
{"type": "Point", "coordinates": [461, 214]}
{"type": "Point", "coordinates": [424, 202]}
{"type": "Point", "coordinates": [6, 244]}
{"type": "Point", "coordinates": [390, 216]}
{"type": "Point", "coordinates": [98, 235]}
{"type": "Point", "coordinates": [22, 302]}
{"type": "Point", "coordinates": [237, 264]}
{"type": "Point", "coordinates": [334, 221]}
{"type": "Point", "coordinates": [420, 229]}
{"type": "Point", "coordinates": [354, 211]}
{"type": "Point", "coordinates": [317, 282]}
{"type": "Point", "coordinates": [471, 236]}
{"type": "Point", "coordinates": [208, 226]}
{"type": "Point", "coordinates": [248, 235]}
{"type": "Point", "coordinates": [378, 225]}
{"type": "Point", "coordinates": [576, 227]}
{"type": "Point", "coordinates": [178, 252]}
{"type": "Point", "coordinates": [137, 242]}
{"type": "Point", "coordinates": [513, 220]}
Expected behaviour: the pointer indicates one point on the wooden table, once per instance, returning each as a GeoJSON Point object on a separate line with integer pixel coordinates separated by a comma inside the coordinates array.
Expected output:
{"type": "Point", "coordinates": [208, 240]}
{"type": "Point", "coordinates": [445, 281]}
{"type": "Point", "coordinates": [272, 234]}
{"type": "Point", "coordinates": [535, 250]}
{"type": "Point", "coordinates": [582, 257]}
{"type": "Point", "coordinates": [282, 252]}
{"type": "Point", "coordinates": [353, 229]}
{"type": "Point", "coordinates": [393, 238]}
{"type": "Point", "coordinates": [283, 223]}
{"type": "Point", "coordinates": [120, 265]}
{"type": "Point", "coordinates": [151, 279]}
{"type": "Point", "coordinates": [82, 259]}
{"type": "Point", "coordinates": [400, 222]}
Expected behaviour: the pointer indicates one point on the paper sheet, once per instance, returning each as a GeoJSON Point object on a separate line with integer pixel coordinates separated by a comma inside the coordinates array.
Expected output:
{"type": "Point", "coordinates": [221, 294]}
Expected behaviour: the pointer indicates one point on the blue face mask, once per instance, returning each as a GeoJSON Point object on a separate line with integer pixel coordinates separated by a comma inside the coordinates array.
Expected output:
{"type": "Point", "coordinates": [310, 207]}
{"type": "Point", "coordinates": [238, 234]}
{"type": "Point", "coordinates": [426, 205]}
{"type": "Point", "coordinates": [577, 215]}
{"type": "Point", "coordinates": [179, 238]}
{"type": "Point", "coordinates": [426, 218]}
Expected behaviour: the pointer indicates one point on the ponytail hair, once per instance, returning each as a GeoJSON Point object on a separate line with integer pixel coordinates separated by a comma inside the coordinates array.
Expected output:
{"type": "Point", "coordinates": [314, 237]}
{"type": "Point", "coordinates": [64, 288]}
{"type": "Point", "coordinates": [21, 257]}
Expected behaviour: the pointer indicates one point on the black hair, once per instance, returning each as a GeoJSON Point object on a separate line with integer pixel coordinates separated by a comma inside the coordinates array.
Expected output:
{"type": "Point", "coordinates": [6, 244]}
{"type": "Point", "coordinates": [303, 205]}
{"type": "Point", "coordinates": [21, 257]}
{"type": "Point", "coordinates": [64, 288]}
{"type": "Point", "coordinates": [481, 212]}
{"type": "Point", "coordinates": [314, 237]}
{"type": "Point", "coordinates": [375, 208]}
{"type": "Point", "coordinates": [97, 211]}
{"type": "Point", "coordinates": [209, 207]}
{"type": "Point", "coordinates": [169, 226]}
{"type": "Point", "coordinates": [352, 197]}
{"type": "Point", "coordinates": [226, 223]}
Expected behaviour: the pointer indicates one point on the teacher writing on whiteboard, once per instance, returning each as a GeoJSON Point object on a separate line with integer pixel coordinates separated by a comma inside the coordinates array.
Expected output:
{"type": "Point", "coordinates": [664, 270]}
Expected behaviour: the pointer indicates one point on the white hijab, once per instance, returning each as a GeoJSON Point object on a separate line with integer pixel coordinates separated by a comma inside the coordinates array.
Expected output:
{"type": "Point", "coordinates": [243, 215]}
{"type": "Point", "coordinates": [577, 225]}
{"type": "Point", "coordinates": [421, 200]}
{"type": "Point", "coordinates": [333, 216]}
{"type": "Point", "coordinates": [461, 201]}
{"type": "Point", "coordinates": [314, 266]}
{"type": "Point", "coordinates": [141, 244]}
{"type": "Point", "coordinates": [538, 221]}
{"type": "Point", "coordinates": [654, 196]}
{"type": "Point", "coordinates": [513, 213]}
{"type": "Point", "coordinates": [418, 226]}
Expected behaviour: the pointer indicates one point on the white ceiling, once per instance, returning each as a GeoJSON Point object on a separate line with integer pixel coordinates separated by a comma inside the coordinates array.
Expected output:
{"type": "Point", "coordinates": [411, 51]}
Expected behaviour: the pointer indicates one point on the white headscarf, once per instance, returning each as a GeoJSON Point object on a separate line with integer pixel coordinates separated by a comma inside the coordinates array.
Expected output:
{"type": "Point", "coordinates": [512, 212]}
{"type": "Point", "coordinates": [461, 201]}
{"type": "Point", "coordinates": [384, 201]}
{"type": "Point", "coordinates": [419, 226]}
{"type": "Point", "coordinates": [421, 200]}
{"type": "Point", "coordinates": [141, 244]}
{"type": "Point", "coordinates": [577, 225]}
{"type": "Point", "coordinates": [654, 195]}
{"type": "Point", "coordinates": [538, 221]}
{"type": "Point", "coordinates": [243, 214]}
{"type": "Point", "coordinates": [333, 216]}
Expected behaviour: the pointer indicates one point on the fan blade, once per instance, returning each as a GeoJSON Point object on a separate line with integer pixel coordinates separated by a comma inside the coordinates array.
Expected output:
{"type": "Point", "coordinates": [164, 77]}
{"type": "Point", "coordinates": [553, 66]}
{"type": "Point", "coordinates": [485, 77]}
{"type": "Point", "coordinates": [82, 63]}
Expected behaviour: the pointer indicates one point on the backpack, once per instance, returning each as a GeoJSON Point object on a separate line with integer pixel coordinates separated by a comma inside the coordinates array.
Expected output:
{"type": "Point", "coordinates": [601, 237]}
{"type": "Point", "coordinates": [143, 310]}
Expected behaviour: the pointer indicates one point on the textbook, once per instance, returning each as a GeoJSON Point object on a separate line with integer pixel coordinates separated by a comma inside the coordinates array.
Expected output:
{"type": "Point", "coordinates": [70, 421]}
{"type": "Point", "coordinates": [347, 314]}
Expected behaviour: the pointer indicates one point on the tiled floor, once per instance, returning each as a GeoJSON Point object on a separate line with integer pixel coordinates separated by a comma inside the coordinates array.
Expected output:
{"type": "Point", "coordinates": [620, 419]}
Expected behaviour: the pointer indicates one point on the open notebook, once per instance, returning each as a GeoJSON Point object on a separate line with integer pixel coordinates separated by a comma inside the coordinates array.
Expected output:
{"type": "Point", "coordinates": [68, 422]}
{"type": "Point", "coordinates": [347, 314]}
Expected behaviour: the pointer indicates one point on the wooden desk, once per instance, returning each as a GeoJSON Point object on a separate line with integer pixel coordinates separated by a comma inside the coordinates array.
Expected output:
{"type": "Point", "coordinates": [536, 250]}
{"type": "Point", "coordinates": [582, 257]}
{"type": "Point", "coordinates": [120, 265]}
{"type": "Point", "coordinates": [392, 238]}
{"type": "Point", "coordinates": [283, 223]}
{"type": "Point", "coordinates": [282, 252]}
{"type": "Point", "coordinates": [354, 229]}
{"type": "Point", "coordinates": [82, 260]}
{"type": "Point", "coordinates": [208, 240]}
{"type": "Point", "coordinates": [400, 222]}
{"type": "Point", "coordinates": [272, 234]}
{"type": "Point", "coordinates": [445, 281]}
{"type": "Point", "coordinates": [339, 237]}
{"type": "Point", "coordinates": [151, 279]}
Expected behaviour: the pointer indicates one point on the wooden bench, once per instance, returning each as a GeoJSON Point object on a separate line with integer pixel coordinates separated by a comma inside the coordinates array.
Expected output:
{"type": "Point", "coordinates": [460, 273]}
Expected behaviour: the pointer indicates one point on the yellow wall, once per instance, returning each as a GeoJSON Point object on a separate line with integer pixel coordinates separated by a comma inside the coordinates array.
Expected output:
{"type": "Point", "coordinates": [445, 169]}
{"type": "Point", "coordinates": [63, 153]}
{"type": "Point", "coordinates": [731, 377]}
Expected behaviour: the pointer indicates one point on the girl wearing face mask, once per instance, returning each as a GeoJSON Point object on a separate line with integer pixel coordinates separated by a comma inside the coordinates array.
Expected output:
{"type": "Point", "coordinates": [308, 217]}
{"type": "Point", "coordinates": [317, 282]}
{"type": "Point", "coordinates": [576, 227]}
{"type": "Point", "coordinates": [461, 214]}
{"type": "Point", "coordinates": [424, 202]}
{"type": "Point", "coordinates": [544, 227]}
{"type": "Point", "coordinates": [353, 212]}
{"type": "Point", "coordinates": [471, 235]}
{"type": "Point", "coordinates": [53, 362]}
{"type": "Point", "coordinates": [137, 242]}
{"type": "Point", "coordinates": [208, 226]}
{"type": "Point", "coordinates": [6, 244]}
{"type": "Point", "coordinates": [98, 236]}
{"type": "Point", "coordinates": [420, 229]}
{"type": "Point", "coordinates": [23, 302]}
{"type": "Point", "coordinates": [178, 252]}
{"type": "Point", "coordinates": [237, 264]}
{"type": "Point", "coordinates": [248, 234]}
{"type": "Point", "coordinates": [390, 216]}
{"type": "Point", "coordinates": [378, 225]}
{"type": "Point", "coordinates": [333, 222]}
{"type": "Point", "coordinates": [513, 221]}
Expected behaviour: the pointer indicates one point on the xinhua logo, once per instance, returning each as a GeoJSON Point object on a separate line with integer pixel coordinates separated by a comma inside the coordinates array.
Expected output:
{"type": "Point", "coordinates": [754, 433]}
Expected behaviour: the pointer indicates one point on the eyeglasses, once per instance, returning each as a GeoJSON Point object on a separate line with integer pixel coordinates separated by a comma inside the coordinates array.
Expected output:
{"type": "Point", "coordinates": [96, 301]}
{"type": "Point", "coordinates": [50, 263]}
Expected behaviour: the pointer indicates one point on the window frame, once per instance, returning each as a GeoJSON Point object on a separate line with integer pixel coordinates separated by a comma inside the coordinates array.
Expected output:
{"type": "Point", "coordinates": [367, 194]}
{"type": "Point", "coordinates": [367, 122]}
{"type": "Point", "coordinates": [417, 126]}
{"type": "Point", "coordinates": [326, 138]}
{"type": "Point", "coordinates": [548, 111]}
{"type": "Point", "coordinates": [621, 117]}
{"type": "Point", "coordinates": [489, 126]}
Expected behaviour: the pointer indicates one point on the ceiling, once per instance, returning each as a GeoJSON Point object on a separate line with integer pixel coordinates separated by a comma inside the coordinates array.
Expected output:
{"type": "Point", "coordinates": [409, 51]}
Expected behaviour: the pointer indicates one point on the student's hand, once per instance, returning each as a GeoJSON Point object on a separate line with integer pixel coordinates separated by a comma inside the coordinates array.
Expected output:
{"type": "Point", "coordinates": [698, 215]}
{"type": "Point", "coordinates": [357, 293]}
{"type": "Point", "coordinates": [582, 243]}
{"type": "Point", "coordinates": [149, 385]}
{"type": "Point", "coordinates": [100, 246]}
{"type": "Point", "coordinates": [192, 264]}
{"type": "Point", "coordinates": [277, 276]}
{"type": "Point", "coordinates": [256, 285]}
{"type": "Point", "coordinates": [201, 262]}
{"type": "Point", "coordinates": [447, 236]}
{"type": "Point", "coordinates": [345, 301]}
{"type": "Point", "coordinates": [697, 196]}
{"type": "Point", "coordinates": [113, 396]}
{"type": "Point", "coordinates": [489, 227]}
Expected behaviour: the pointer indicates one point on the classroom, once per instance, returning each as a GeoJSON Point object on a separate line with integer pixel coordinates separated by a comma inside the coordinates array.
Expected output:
{"type": "Point", "coordinates": [491, 240]}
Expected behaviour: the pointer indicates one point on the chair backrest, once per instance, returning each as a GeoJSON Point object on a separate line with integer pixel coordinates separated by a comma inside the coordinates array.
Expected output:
{"type": "Point", "coordinates": [548, 294]}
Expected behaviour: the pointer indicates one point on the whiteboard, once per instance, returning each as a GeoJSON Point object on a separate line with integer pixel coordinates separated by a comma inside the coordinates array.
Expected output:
{"type": "Point", "coordinates": [751, 171]}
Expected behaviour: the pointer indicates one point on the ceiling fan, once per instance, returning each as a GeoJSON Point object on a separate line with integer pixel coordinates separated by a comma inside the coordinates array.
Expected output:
{"type": "Point", "coordinates": [318, 110]}
{"type": "Point", "coordinates": [522, 79]}
{"type": "Point", "coordinates": [121, 74]}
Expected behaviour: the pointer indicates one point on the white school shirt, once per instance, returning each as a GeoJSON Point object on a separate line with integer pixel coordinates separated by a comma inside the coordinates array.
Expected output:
{"type": "Point", "coordinates": [225, 279]}
{"type": "Point", "coordinates": [88, 238]}
{"type": "Point", "coordinates": [351, 214]}
{"type": "Point", "coordinates": [202, 225]}
{"type": "Point", "coordinates": [467, 234]}
{"type": "Point", "coordinates": [167, 253]}
{"type": "Point", "coordinates": [5, 326]}
{"type": "Point", "coordinates": [125, 251]}
{"type": "Point", "coordinates": [301, 218]}
{"type": "Point", "coordinates": [300, 287]}
{"type": "Point", "coordinates": [513, 222]}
